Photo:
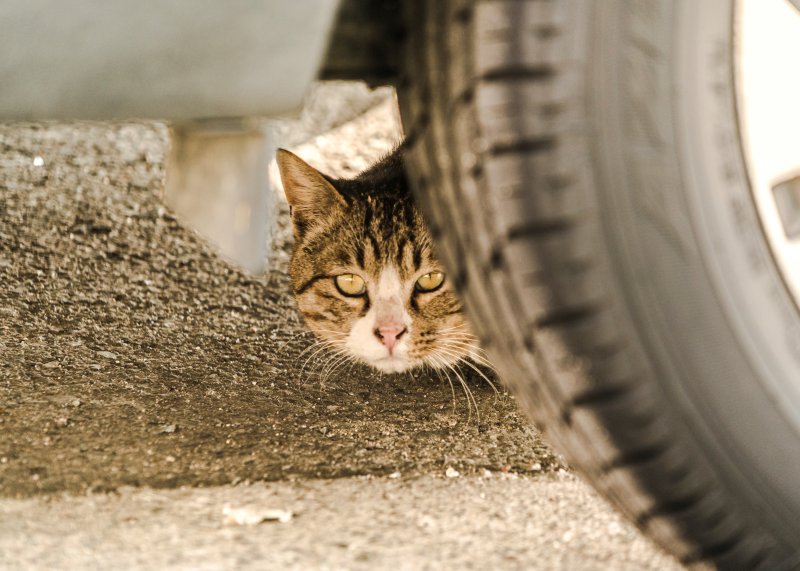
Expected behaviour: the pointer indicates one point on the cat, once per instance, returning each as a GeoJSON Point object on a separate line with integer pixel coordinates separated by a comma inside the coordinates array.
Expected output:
{"type": "Point", "coordinates": [364, 271]}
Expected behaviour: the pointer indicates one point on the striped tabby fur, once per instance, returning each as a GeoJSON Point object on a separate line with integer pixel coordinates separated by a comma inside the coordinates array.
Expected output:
{"type": "Point", "coordinates": [369, 230]}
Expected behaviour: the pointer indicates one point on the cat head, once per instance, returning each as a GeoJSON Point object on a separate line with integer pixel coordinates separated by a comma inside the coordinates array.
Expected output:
{"type": "Point", "coordinates": [364, 272]}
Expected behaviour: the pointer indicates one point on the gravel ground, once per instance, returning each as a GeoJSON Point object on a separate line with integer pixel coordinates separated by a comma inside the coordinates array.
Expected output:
{"type": "Point", "coordinates": [135, 361]}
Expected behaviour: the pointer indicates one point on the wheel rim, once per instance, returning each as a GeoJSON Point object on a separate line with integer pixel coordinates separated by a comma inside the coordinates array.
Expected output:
{"type": "Point", "coordinates": [768, 87]}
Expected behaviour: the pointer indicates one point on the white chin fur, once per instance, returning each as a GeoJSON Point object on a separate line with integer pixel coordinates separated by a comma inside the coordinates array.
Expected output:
{"type": "Point", "coordinates": [391, 364]}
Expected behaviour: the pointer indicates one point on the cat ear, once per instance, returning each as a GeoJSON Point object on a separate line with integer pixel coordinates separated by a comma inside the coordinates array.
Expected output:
{"type": "Point", "coordinates": [309, 193]}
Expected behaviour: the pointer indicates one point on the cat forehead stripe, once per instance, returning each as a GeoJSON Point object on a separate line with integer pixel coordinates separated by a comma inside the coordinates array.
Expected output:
{"type": "Point", "coordinates": [417, 256]}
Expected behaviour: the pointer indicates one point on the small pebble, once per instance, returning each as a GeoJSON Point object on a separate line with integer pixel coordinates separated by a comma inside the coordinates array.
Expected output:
{"type": "Point", "coordinates": [51, 365]}
{"type": "Point", "coordinates": [452, 472]}
{"type": "Point", "coordinates": [107, 354]}
{"type": "Point", "coordinates": [249, 516]}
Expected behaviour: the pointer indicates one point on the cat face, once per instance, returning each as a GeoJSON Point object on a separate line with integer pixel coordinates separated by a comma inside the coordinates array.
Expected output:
{"type": "Point", "coordinates": [364, 272]}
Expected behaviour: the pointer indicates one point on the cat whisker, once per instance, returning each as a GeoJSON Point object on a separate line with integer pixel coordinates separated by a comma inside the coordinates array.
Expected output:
{"type": "Point", "coordinates": [338, 360]}
{"type": "Point", "coordinates": [459, 335]}
{"type": "Point", "coordinates": [445, 366]}
{"type": "Point", "coordinates": [452, 388]}
{"type": "Point", "coordinates": [470, 344]}
{"type": "Point", "coordinates": [337, 346]}
{"type": "Point", "coordinates": [292, 338]}
{"type": "Point", "coordinates": [329, 362]}
{"type": "Point", "coordinates": [466, 362]}
{"type": "Point", "coordinates": [482, 375]}
{"type": "Point", "coordinates": [304, 333]}
{"type": "Point", "coordinates": [467, 391]}
{"type": "Point", "coordinates": [338, 334]}
{"type": "Point", "coordinates": [457, 328]}
{"type": "Point", "coordinates": [353, 363]}
{"type": "Point", "coordinates": [463, 337]}
{"type": "Point", "coordinates": [314, 345]}
{"type": "Point", "coordinates": [479, 360]}
{"type": "Point", "coordinates": [330, 366]}
{"type": "Point", "coordinates": [321, 346]}
{"type": "Point", "coordinates": [444, 370]}
{"type": "Point", "coordinates": [476, 356]}
{"type": "Point", "coordinates": [429, 362]}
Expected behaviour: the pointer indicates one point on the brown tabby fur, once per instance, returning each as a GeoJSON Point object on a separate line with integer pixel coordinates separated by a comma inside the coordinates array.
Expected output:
{"type": "Point", "coordinates": [361, 226]}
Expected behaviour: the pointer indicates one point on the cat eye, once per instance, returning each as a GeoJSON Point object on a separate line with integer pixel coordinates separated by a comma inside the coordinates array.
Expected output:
{"type": "Point", "coordinates": [429, 282]}
{"type": "Point", "coordinates": [350, 285]}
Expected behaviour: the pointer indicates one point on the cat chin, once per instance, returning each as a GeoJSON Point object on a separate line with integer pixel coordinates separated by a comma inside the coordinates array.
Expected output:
{"type": "Point", "coordinates": [391, 364]}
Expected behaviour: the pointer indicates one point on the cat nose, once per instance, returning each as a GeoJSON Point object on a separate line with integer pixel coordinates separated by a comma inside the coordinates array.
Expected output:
{"type": "Point", "coordinates": [389, 334]}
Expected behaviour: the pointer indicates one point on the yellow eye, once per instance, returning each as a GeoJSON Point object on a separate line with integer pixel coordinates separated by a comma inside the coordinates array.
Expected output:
{"type": "Point", "coordinates": [350, 285]}
{"type": "Point", "coordinates": [429, 282]}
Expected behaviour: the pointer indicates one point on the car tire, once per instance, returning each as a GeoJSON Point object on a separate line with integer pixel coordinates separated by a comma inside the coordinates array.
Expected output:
{"type": "Point", "coordinates": [581, 168]}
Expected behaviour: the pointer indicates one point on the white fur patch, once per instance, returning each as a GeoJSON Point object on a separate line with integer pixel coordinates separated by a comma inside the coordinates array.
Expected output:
{"type": "Point", "coordinates": [387, 301]}
{"type": "Point", "coordinates": [389, 284]}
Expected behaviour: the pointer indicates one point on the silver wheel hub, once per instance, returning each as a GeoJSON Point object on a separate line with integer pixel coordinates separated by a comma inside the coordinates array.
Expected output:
{"type": "Point", "coordinates": [768, 83]}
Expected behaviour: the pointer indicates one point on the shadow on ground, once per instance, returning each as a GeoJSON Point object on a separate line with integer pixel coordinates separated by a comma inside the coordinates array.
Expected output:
{"type": "Point", "coordinates": [131, 355]}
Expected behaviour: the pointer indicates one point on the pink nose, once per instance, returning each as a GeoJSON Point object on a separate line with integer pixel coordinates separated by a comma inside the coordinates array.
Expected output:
{"type": "Point", "coordinates": [389, 334]}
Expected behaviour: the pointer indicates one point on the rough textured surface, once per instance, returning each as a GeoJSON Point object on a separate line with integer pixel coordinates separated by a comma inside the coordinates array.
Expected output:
{"type": "Point", "coordinates": [353, 523]}
{"type": "Point", "coordinates": [135, 361]}
{"type": "Point", "coordinates": [132, 355]}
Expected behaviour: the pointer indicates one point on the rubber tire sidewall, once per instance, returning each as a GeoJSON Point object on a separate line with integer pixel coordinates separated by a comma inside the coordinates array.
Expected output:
{"type": "Point", "coordinates": [711, 309]}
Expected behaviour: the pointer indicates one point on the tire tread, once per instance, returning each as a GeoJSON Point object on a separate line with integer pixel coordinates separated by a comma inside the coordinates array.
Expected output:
{"type": "Point", "coordinates": [492, 84]}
